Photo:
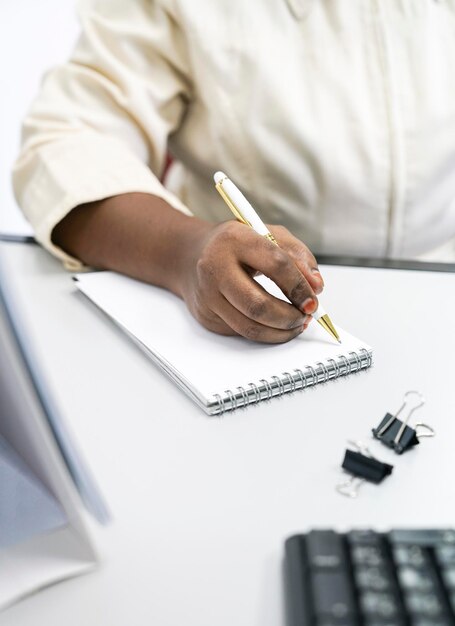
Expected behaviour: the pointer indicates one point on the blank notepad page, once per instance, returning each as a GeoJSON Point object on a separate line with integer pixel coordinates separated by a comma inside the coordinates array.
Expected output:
{"type": "Point", "coordinates": [220, 373]}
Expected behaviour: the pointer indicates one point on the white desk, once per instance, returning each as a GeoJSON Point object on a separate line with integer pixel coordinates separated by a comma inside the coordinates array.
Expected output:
{"type": "Point", "coordinates": [202, 505]}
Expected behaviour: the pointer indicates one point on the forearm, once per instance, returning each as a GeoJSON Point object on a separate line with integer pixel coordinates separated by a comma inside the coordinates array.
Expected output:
{"type": "Point", "coordinates": [137, 234]}
{"type": "Point", "coordinates": [209, 266]}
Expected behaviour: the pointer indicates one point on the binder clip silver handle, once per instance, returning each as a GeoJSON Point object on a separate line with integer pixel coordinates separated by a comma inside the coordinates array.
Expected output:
{"type": "Point", "coordinates": [350, 488]}
{"type": "Point", "coordinates": [396, 433]}
{"type": "Point", "coordinates": [419, 403]}
{"type": "Point", "coordinates": [362, 466]}
{"type": "Point", "coordinates": [424, 430]}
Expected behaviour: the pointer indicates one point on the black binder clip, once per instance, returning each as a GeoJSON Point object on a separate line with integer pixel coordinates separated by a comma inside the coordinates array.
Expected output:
{"type": "Point", "coordinates": [396, 434]}
{"type": "Point", "coordinates": [363, 466]}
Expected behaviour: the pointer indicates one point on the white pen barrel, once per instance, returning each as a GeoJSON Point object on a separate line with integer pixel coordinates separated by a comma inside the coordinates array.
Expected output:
{"type": "Point", "coordinates": [245, 207]}
{"type": "Point", "coordinates": [319, 312]}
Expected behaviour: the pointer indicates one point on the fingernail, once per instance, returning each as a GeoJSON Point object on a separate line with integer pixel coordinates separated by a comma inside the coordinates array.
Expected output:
{"type": "Point", "coordinates": [309, 306]}
{"type": "Point", "coordinates": [317, 274]}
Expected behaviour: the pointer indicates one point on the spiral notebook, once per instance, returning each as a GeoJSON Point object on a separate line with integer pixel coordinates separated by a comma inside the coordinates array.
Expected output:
{"type": "Point", "coordinates": [220, 373]}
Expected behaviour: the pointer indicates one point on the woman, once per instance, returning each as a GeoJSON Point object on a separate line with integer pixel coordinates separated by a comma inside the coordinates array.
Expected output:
{"type": "Point", "coordinates": [337, 120]}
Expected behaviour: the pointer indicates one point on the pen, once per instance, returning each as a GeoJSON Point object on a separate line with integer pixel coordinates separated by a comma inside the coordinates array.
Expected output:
{"type": "Point", "coordinates": [245, 213]}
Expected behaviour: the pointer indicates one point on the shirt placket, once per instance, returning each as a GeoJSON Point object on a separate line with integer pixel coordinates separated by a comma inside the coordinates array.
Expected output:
{"type": "Point", "coordinates": [384, 15]}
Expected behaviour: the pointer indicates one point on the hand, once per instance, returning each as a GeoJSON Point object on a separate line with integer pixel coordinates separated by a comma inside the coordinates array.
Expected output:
{"type": "Point", "coordinates": [216, 282]}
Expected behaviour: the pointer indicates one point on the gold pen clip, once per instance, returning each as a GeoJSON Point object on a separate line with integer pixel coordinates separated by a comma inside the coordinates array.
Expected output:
{"type": "Point", "coordinates": [231, 205]}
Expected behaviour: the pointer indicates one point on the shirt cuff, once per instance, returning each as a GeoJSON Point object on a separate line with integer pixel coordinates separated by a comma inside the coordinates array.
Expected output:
{"type": "Point", "coordinates": [81, 169]}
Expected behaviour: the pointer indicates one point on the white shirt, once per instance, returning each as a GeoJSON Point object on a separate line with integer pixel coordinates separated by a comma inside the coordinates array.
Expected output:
{"type": "Point", "coordinates": [335, 117]}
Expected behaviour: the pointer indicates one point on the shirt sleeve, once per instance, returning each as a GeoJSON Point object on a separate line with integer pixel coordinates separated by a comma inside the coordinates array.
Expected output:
{"type": "Point", "coordinates": [100, 124]}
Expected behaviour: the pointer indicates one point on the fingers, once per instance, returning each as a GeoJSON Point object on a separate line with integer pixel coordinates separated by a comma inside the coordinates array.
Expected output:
{"type": "Point", "coordinates": [251, 329]}
{"type": "Point", "coordinates": [302, 256]}
{"type": "Point", "coordinates": [255, 303]}
{"type": "Point", "coordinates": [223, 296]}
{"type": "Point", "coordinates": [241, 306]}
{"type": "Point", "coordinates": [275, 263]}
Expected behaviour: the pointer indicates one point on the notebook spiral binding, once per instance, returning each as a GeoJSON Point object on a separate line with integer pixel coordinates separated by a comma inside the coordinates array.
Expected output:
{"type": "Point", "coordinates": [291, 381]}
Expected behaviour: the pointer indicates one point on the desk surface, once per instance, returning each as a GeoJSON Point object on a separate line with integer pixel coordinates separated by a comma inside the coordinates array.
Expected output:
{"type": "Point", "coordinates": [202, 505]}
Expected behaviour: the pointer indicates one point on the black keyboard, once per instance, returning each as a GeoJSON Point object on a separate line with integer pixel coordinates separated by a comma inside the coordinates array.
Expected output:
{"type": "Point", "coordinates": [365, 578]}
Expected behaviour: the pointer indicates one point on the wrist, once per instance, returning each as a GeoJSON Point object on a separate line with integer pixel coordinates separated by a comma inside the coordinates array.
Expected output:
{"type": "Point", "coordinates": [137, 234]}
{"type": "Point", "coordinates": [185, 251]}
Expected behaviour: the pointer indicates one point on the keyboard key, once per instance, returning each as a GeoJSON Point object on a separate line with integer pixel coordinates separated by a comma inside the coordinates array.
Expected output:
{"type": "Point", "coordinates": [411, 555]}
{"type": "Point", "coordinates": [445, 554]}
{"type": "Point", "coordinates": [449, 535]}
{"type": "Point", "coordinates": [448, 576]}
{"type": "Point", "coordinates": [422, 537]}
{"type": "Point", "coordinates": [333, 595]}
{"type": "Point", "coordinates": [298, 593]}
{"type": "Point", "coordinates": [364, 537]}
{"type": "Point", "coordinates": [379, 605]}
{"type": "Point", "coordinates": [371, 556]}
{"type": "Point", "coordinates": [413, 579]}
{"type": "Point", "coordinates": [372, 578]}
{"type": "Point", "coordinates": [325, 549]}
{"type": "Point", "coordinates": [424, 604]}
